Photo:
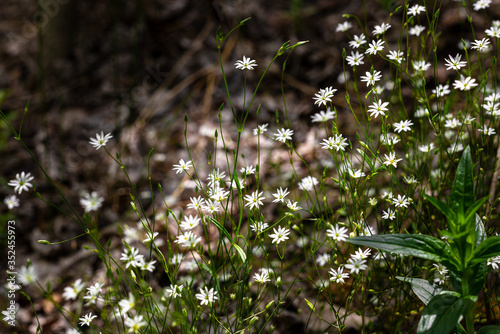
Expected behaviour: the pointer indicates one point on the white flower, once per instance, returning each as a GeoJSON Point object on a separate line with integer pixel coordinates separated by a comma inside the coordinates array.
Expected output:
{"type": "Point", "coordinates": [421, 112]}
{"type": "Point", "coordinates": [91, 202]}
{"type": "Point", "coordinates": [259, 226]}
{"type": "Point", "coordinates": [355, 265]}
{"type": "Point", "coordinates": [190, 222]}
{"type": "Point", "coordinates": [216, 177]}
{"type": "Point", "coordinates": [389, 214]}
{"type": "Point", "coordinates": [149, 266]}
{"type": "Point", "coordinates": [380, 29]}
{"type": "Point", "coordinates": [452, 123]}
{"type": "Point", "coordinates": [245, 64]}
{"type": "Point", "coordinates": [389, 139]}
{"type": "Point", "coordinates": [391, 159]}
{"type": "Point", "coordinates": [481, 4]}
{"type": "Point", "coordinates": [396, 56]}
{"type": "Point", "coordinates": [357, 41]}
{"type": "Point", "coordinates": [294, 206]}
{"type": "Point", "coordinates": [401, 201]}
{"type": "Point", "coordinates": [421, 65]}
{"type": "Point", "coordinates": [441, 90]}
{"type": "Point", "coordinates": [410, 179]}
{"type": "Point", "coordinates": [182, 166]}
{"type": "Point", "coordinates": [492, 108]}
{"type": "Point", "coordinates": [150, 236]}
{"type": "Point", "coordinates": [426, 148]}
{"type": "Point", "coordinates": [254, 200]}
{"type": "Point", "coordinates": [136, 323]}
{"type": "Point", "coordinates": [261, 278]}
{"type": "Point", "coordinates": [363, 254]}
{"type": "Point", "coordinates": [355, 59]}
{"type": "Point", "coordinates": [11, 201]}
{"type": "Point", "coordinates": [493, 32]}
{"type": "Point", "coordinates": [375, 46]}
{"type": "Point", "coordinates": [248, 170]}
{"type": "Point", "coordinates": [174, 291]}
{"type": "Point", "coordinates": [22, 182]}
{"type": "Point", "coordinates": [211, 206]}
{"type": "Point", "coordinates": [71, 292]}
{"type": "Point", "coordinates": [206, 296]}
{"type": "Point", "coordinates": [494, 262]}
{"type": "Point", "coordinates": [338, 233]}
{"type": "Point", "coordinates": [378, 108]}
{"type": "Point", "coordinates": [323, 116]}
{"type": "Point", "coordinates": [338, 275]}
{"type": "Point", "coordinates": [337, 142]}
{"type": "Point", "coordinates": [487, 130]}
{"type": "Point", "coordinates": [416, 30]}
{"type": "Point", "coordinates": [196, 203]}
{"type": "Point", "coordinates": [283, 135]}
{"type": "Point", "coordinates": [343, 26]}
{"type": "Point", "coordinates": [131, 257]}
{"type": "Point", "coordinates": [95, 289]}
{"type": "Point", "coordinates": [455, 63]}
{"type": "Point", "coordinates": [279, 235]}
{"type": "Point", "coordinates": [27, 275]}
{"type": "Point", "coordinates": [415, 10]}
{"type": "Point", "coordinates": [323, 259]}
{"type": "Point", "coordinates": [177, 259]}
{"type": "Point", "coordinates": [403, 126]}
{"type": "Point", "coordinates": [218, 194]}
{"type": "Point", "coordinates": [324, 95]}
{"type": "Point", "coordinates": [127, 304]}
{"type": "Point", "coordinates": [481, 45]}
{"type": "Point", "coordinates": [87, 319]}
{"type": "Point", "coordinates": [308, 183]}
{"type": "Point", "coordinates": [260, 129]}
{"type": "Point", "coordinates": [370, 78]}
{"type": "Point", "coordinates": [356, 174]}
{"type": "Point", "coordinates": [101, 140]}
{"type": "Point", "coordinates": [280, 195]}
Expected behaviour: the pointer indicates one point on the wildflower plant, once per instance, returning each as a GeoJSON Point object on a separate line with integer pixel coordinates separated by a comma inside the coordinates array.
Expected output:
{"type": "Point", "coordinates": [280, 217]}
{"type": "Point", "coordinates": [464, 251]}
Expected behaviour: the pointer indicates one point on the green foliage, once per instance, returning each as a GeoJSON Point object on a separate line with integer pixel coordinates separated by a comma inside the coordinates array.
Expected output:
{"type": "Point", "coordinates": [465, 253]}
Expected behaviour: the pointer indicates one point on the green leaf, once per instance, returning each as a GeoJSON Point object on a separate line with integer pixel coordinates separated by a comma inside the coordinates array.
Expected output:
{"type": "Point", "coordinates": [221, 228]}
{"type": "Point", "coordinates": [487, 249]}
{"type": "Point", "coordinates": [443, 312]}
{"type": "Point", "coordinates": [492, 329]}
{"type": "Point", "coordinates": [480, 231]}
{"type": "Point", "coordinates": [423, 246]}
{"type": "Point", "coordinates": [462, 192]}
{"type": "Point", "coordinates": [422, 288]}
{"type": "Point", "coordinates": [240, 251]}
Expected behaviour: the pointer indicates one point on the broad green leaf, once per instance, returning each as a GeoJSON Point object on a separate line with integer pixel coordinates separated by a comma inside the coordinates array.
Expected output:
{"type": "Point", "coordinates": [443, 312]}
{"type": "Point", "coordinates": [492, 329]}
{"type": "Point", "coordinates": [221, 228]}
{"type": "Point", "coordinates": [422, 288]}
{"type": "Point", "coordinates": [423, 246]}
{"type": "Point", "coordinates": [480, 232]}
{"type": "Point", "coordinates": [462, 192]}
{"type": "Point", "coordinates": [487, 249]}
{"type": "Point", "coordinates": [240, 251]}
